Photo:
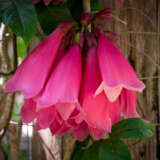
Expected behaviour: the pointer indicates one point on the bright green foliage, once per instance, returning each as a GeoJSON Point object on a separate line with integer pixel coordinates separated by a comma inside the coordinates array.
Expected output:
{"type": "Point", "coordinates": [113, 148]}
{"type": "Point", "coordinates": [132, 128]}
{"type": "Point", "coordinates": [20, 16]}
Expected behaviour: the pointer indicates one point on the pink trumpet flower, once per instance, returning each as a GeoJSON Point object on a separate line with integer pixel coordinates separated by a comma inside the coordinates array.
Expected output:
{"type": "Point", "coordinates": [32, 74]}
{"type": "Point", "coordinates": [62, 88]}
{"type": "Point", "coordinates": [116, 71]}
{"type": "Point", "coordinates": [99, 112]}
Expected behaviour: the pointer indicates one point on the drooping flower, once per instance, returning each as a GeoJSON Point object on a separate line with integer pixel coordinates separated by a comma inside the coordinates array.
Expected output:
{"type": "Point", "coordinates": [50, 79]}
{"type": "Point", "coordinates": [99, 112]}
{"type": "Point", "coordinates": [116, 71]}
{"type": "Point", "coordinates": [32, 74]}
{"type": "Point", "coordinates": [62, 88]}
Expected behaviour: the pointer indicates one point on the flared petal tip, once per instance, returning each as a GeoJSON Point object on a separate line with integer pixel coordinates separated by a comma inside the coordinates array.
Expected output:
{"type": "Point", "coordinates": [138, 87]}
{"type": "Point", "coordinates": [113, 92]}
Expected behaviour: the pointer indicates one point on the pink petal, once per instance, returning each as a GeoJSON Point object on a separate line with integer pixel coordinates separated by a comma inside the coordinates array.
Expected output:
{"type": "Point", "coordinates": [55, 126]}
{"type": "Point", "coordinates": [81, 131]}
{"type": "Point", "coordinates": [64, 128]}
{"type": "Point", "coordinates": [115, 70]}
{"type": "Point", "coordinates": [32, 74]}
{"type": "Point", "coordinates": [46, 116]}
{"type": "Point", "coordinates": [95, 108]}
{"type": "Point", "coordinates": [97, 133]}
{"type": "Point", "coordinates": [111, 93]}
{"type": "Point", "coordinates": [28, 111]}
{"type": "Point", "coordinates": [114, 111]}
{"type": "Point", "coordinates": [65, 109]}
{"type": "Point", "coordinates": [128, 103]}
{"type": "Point", "coordinates": [37, 127]}
{"type": "Point", "coordinates": [64, 83]}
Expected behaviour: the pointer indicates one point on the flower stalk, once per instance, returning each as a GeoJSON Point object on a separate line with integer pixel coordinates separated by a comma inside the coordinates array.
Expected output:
{"type": "Point", "coordinates": [86, 6]}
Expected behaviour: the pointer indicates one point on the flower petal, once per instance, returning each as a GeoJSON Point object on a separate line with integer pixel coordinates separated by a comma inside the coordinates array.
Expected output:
{"type": "Point", "coordinates": [46, 116]}
{"type": "Point", "coordinates": [32, 74]}
{"type": "Point", "coordinates": [55, 126]}
{"type": "Point", "coordinates": [95, 108]}
{"type": "Point", "coordinates": [81, 131]}
{"type": "Point", "coordinates": [128, 103]}
{"type": "Point", "coordinates": [97, 133]}
{"type": "Point", "coordinates": [64, 83]}
{"type": "Point", "coordinates": [65, 109]}
{"type": "Point", "coordinates": [115, 70]}
{"type": "Point", "coordinates": [28, 111]}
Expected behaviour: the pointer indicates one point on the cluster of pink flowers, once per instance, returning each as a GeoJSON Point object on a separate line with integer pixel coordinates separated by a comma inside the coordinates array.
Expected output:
{"type": "Point", "coordinates": [77, 81]}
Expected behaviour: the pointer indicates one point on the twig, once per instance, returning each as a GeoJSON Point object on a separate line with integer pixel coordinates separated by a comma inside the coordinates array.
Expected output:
{"type": "Point", "coordinates": [86, 6]}
{"type": "Point", "coordinates": [12, 103]}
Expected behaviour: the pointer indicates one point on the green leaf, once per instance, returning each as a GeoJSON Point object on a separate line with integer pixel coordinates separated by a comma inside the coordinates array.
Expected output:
{"type": "Point", "coordinates": [20, 16]}
{"type": "Point", "coordinates": [79, 149]}
{"type": "Point", "coordinates": [76, 7]}
{"type": "Point", "coordinates": [92, 153]}
{"type": "Point", "coordinates": [50, 16]}
{"type": "Point", "coordinates": [21, 48]}
{"type": "Point", "coordinates": [113, 149]}
{"type": "Point", "coordinates": [131, 128]}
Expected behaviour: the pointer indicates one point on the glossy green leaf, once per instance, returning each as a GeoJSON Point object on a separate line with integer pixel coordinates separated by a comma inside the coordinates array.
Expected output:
{"type": "Point", "coordinates": [75, 8]}
{"type": "Point", "coordinates": [21, 17]}
{"type": "Point", "coordinates": [50, 16]}
{"type": "Point", "coordinates": [79, 149]}
{"type": "Point", "coordinates": [132, 128]}
{"type": "Point", "coordinates": [92, 153]}
{"type": "Point", "coordinates": [113, 149]}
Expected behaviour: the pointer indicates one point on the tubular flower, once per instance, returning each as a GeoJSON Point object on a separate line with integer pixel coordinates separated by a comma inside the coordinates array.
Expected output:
{"type": "Point", "coordinates": [77, 81]}
{"type": "Point", "coordinates": [99, 112]}
{"type": "Point", "coordinates": [116, 71]}
{"type": "Point", "coordinates": [32, 74]}
{"type": "Point", "coordinates": [66, 87]}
